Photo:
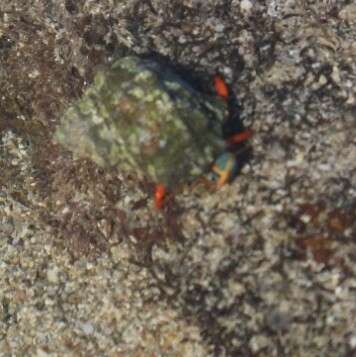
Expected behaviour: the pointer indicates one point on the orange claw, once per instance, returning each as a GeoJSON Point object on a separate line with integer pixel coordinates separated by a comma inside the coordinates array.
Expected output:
{"type": "Point", "coordinates": [221, 87]}
{"type": "Point", "coordinates": [240, 137]}
{"type": "Point", "coordinates": [160, 194]}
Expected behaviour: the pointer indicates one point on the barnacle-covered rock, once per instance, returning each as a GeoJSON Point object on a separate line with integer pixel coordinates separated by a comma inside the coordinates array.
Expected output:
{"type": "Point", "coordinates": [142, 117]}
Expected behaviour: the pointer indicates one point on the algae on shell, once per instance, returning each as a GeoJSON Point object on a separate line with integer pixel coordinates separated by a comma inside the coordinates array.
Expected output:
{"type": "Point", "coordinates": [142, 117]}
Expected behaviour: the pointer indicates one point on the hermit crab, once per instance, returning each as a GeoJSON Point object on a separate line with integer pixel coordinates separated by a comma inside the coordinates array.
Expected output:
{"type": "Point", "coordinates": [141, 116]}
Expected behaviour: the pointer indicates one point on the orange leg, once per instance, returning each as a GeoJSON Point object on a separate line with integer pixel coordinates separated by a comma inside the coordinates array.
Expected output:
{"type": "Point", "coordinates": [221, 87]}
{"type": "Point", "coordinates": [240, 137]}
{"type": "Point", "coordinates": [160, 194]}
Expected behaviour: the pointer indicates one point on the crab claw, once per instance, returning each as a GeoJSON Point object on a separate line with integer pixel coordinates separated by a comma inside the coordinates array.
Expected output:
{"type": "Point", "coordinates": [160, 194]}
{"type": "Point", "coordinates": [225, 168]}
{"type": "Point", "coordinates": [240, 137]}
{"type": "Point", "coordinates": [221, 87]}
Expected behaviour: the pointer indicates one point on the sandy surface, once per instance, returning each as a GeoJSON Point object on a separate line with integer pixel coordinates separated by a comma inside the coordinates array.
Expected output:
{"type": "Point", "coordinates": [263, 267]}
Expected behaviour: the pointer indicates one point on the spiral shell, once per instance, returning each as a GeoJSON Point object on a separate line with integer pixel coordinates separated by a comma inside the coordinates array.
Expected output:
{"type": "Point", "coordinates": [142, 117]}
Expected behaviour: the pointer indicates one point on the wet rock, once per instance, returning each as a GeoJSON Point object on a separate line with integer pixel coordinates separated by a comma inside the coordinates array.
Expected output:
{"type": "Point", "coordinates": [348, 14]}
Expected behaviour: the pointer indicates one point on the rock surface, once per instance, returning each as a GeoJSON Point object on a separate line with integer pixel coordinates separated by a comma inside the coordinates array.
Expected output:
{"type": "Point", "coordinates": [264, 266]}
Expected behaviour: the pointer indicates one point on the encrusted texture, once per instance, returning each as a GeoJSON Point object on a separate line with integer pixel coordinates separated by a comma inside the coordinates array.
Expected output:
{"type": "Point", "coordinates": [263, 267]}
{"type": "Point", "coordinates": [145, 120]}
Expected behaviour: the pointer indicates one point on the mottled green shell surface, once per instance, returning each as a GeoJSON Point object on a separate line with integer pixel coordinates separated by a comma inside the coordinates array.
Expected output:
{"type": "Point", "coordinates": [142, 117]}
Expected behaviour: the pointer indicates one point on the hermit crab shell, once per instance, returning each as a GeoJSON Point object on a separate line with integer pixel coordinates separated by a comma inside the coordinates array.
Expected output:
{"type": "Point", "coordinates": [142, 117]}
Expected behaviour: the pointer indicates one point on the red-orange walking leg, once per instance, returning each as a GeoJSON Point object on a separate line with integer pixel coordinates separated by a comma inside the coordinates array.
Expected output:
{"type": "Point", "coordinates": [160, 194]}
{"type": "Point", "coordinates": [240, 137]}
{"type": "Point", "coordinates": [221, 87]}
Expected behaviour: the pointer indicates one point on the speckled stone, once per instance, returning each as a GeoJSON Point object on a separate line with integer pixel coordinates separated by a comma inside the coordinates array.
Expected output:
{"type": "Point", "coordinates": [266, 265]}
